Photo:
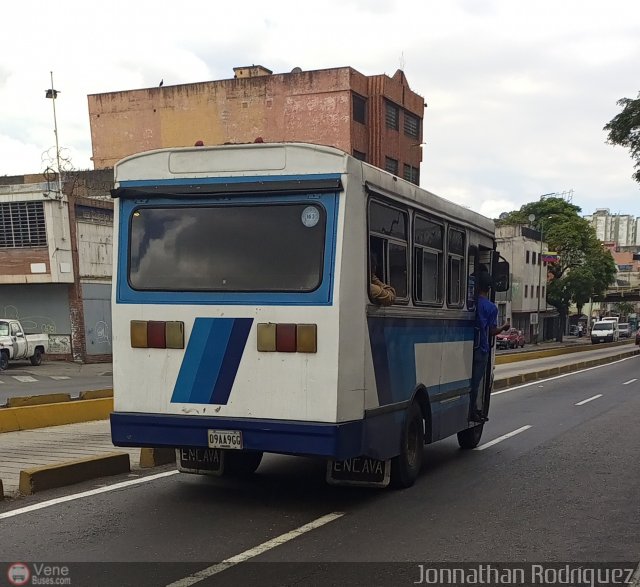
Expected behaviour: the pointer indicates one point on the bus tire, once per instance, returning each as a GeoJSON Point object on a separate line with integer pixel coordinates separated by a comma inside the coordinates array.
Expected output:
{"type": "Point", "coordinates": [242, 462]}
{"type": "Point", "coordinates": [36, 359]}
{"type": "Point", "coordinates": [405, 468]}
{"type": "Point", "coordinates": [470, 437]}
{"type": "Point", "coordinates": [4, 360]}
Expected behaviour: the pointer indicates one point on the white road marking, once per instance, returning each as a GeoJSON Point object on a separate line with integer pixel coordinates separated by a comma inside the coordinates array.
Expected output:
{"type": "Point", "coordinates": [539, 381]}
{"type": "Point", "coordinates": [584, 401]}
{"type": "Point", "coordinates": [24, 378]}
{"type": "Point", "coordinates": [59, 377]}
{"type": "Point", "coordinates": [501, 438]}
{"type": "Point", "coordinates": [252, 552]}
{"type": "Point", "coordinates": [57, 500]}
{"type": "Point", "coordinates": [630, 381]}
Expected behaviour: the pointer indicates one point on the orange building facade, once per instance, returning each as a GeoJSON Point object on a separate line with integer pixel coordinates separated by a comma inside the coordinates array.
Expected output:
{"type": "Point", "coordinates": [375, 118]}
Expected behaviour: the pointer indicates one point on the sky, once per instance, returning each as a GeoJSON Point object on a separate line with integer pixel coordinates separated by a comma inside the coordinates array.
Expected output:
{"type": "Point", "coordinates": [517, 91]}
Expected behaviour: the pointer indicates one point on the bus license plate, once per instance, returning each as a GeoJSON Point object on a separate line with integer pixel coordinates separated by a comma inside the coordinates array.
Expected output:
{"type": "Point", "coordinates": [363, 471]}
{"type": "Point", "coordinates": [229, 439]}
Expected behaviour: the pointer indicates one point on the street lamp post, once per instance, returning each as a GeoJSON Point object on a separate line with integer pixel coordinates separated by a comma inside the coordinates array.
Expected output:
{"type": "Point", "coordinates": [53, 94]}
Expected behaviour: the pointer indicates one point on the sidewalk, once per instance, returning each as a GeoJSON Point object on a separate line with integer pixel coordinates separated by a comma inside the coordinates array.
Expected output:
{"type": "Point", "coordinates": [50, 446]}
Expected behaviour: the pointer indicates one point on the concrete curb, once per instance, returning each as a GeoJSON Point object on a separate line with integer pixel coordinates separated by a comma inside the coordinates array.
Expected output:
{"type": "Point", "coordinates": [544, 373]}
{"type": "Point", "coordinates": [95, 394]}
{"type": "Point", "coordinates": [70, 472]}
{"type": "Point", "coordinates": [45, 415]}
{"type": "Point", "coordinates": [154, 457]}
{"type": "Point", "coordinates": [36, 400]}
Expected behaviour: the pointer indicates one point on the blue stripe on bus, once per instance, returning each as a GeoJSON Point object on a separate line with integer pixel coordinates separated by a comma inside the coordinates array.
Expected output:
{"type": "Point", "coordinates": [211, 360]}
{"type": "Point", "coordinates": [231, 360]}
{"type": "Point", "coordinates": [393, 342]}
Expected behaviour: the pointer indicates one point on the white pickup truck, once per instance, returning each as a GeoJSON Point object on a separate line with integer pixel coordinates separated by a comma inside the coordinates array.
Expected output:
{"type": "Point", "coordinates": [15, 344]}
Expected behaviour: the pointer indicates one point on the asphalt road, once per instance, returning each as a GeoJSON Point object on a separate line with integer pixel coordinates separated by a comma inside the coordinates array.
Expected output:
{"type": "Point", "coordinates": [559, 483]}
{"type": "Point", "coordinates": [21, 379]}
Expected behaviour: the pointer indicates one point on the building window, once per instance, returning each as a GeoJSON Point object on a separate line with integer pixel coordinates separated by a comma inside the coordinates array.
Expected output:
{"type": "Point", "coordinates": [22, 225]}
{"type": "Point", "coordinates": [537, 291]}
{"type": "Point", "coordinates": [411, 125]}
{"type": "Point", "coordinates": [360, 155]}
{"type": "Point", "coordinates": [527, 254]}
{"type": "Point", "coordinates": [526, 291]}
{"type": "Point", "coordinates": [391, 165]}
{"type": "Point", "coordinates": [359, 109]}
{"type": "Point", "coordinates": [411, 174]}
{"type": "Point", "coordinates": [392, 116]}
{"type": "Point", "coordinates": [533, 258]}
{"type": "Point", "coordinates": [543, 292]}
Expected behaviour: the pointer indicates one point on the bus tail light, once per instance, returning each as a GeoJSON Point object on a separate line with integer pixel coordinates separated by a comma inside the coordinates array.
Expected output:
{"type": "Point", "coordinates": [287, 338]}
{"type": "Point", "coordinates": [307, 338]}
{"type": "Point", "coordinates": [157, 334]}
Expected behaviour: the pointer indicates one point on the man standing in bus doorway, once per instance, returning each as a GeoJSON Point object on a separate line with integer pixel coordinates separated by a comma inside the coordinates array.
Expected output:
{"type": "Point", "coordinates": [486, 325]}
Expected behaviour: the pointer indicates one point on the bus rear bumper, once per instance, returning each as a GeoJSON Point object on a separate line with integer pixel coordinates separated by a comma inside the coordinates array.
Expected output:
{"type": "Point", "coordinates": [337, 441]}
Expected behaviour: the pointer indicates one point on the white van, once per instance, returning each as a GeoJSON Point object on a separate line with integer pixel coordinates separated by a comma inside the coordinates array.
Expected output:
{"type": "Point", "coordinates": [605, 331]}
{"type": "Point", "coordinates": [624, 330]}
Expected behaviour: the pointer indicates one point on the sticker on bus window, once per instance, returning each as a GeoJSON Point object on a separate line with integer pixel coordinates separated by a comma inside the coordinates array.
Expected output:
{"type": "Point", "coordinates": [310, 216]}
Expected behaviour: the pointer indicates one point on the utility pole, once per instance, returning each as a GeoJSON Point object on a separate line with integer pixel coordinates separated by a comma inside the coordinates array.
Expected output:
{"type": "Point", "coordinates": [53, 94]}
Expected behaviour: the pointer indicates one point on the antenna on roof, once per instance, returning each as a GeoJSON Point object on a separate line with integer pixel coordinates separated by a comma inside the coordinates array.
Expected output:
{"type": "Point", "coordinates": [402, 61]}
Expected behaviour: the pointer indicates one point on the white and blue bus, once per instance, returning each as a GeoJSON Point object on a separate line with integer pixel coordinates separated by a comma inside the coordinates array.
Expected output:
{"type": "Point", "coordinates": [243, 322]}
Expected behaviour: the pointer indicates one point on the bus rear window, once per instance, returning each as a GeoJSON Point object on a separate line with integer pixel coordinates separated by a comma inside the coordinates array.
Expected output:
{"type": "Point", "coordinates": [230, 248]}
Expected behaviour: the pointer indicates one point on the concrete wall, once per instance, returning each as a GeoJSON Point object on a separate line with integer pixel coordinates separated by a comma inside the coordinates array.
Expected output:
{"type": "Point", "coordinates": [40, 308]}
{"type": "Point", "coordinates": [47, 264]}
{"type": "Point", "coordinates": [95, 242]}
{"type": "Point", "coordinates": [310, 106]}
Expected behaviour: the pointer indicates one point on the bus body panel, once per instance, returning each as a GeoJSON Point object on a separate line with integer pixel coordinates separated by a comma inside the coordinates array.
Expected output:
{"type": "Point", "coordinates": [347, 399]}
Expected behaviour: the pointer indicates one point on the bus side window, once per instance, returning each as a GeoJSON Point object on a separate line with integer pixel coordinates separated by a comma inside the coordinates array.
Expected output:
{"type": "Point", "coordinates": [455, 267]}
{"type": "Point", "coordinates": [471, 279]}
{"type": "Point", "coordinates": [429, 253]}
{"type": "Point", "coordinates": [376, 258]}
{"type": "Point", "coordinates": [388, 246]}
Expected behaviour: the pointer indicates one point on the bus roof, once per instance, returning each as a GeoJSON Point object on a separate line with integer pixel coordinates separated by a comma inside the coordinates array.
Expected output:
{"type": "Point", "coordinates": [284, 159]}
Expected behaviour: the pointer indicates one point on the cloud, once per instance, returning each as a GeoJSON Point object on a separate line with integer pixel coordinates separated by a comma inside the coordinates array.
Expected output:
{"type": "Point", "coordinates": [517, 93]}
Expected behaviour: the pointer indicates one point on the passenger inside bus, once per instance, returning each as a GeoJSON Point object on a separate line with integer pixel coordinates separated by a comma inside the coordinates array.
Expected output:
{"type": "Point", "coordinates": [379, 292]}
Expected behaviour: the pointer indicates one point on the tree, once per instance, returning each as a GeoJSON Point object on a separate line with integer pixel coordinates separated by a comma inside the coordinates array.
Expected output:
{"type": "Point", "coordinates": [584, 268]}
{"type": "Point", "coordinates": [623, 309]}
{"type": "Point", "coordinates": [624, 130]}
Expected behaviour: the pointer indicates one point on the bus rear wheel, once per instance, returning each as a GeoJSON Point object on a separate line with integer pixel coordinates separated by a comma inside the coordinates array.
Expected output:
{"type": "Point", "coordinates": [405, 468]}
{"type": "Point", "coordinates": [470, 438]}
{"type": "Point", "coordinates": [242, 462]}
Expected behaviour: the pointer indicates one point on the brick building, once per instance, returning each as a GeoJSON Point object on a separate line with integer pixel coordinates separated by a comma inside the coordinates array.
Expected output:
{"type": "Point", "coordinates": [56, 259]}
{"type": "Point", "coordinates": [375, 118]}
